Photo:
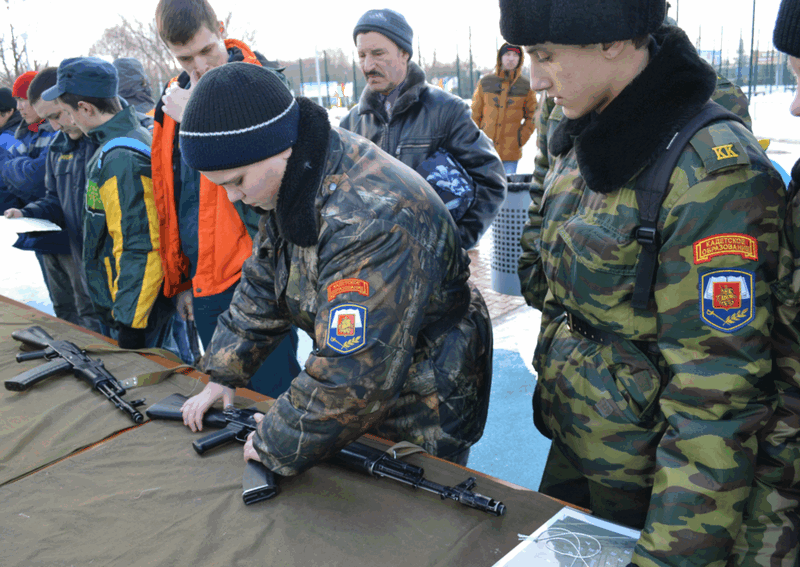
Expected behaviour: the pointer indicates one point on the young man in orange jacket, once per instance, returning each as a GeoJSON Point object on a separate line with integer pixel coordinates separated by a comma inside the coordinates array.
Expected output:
{"type": "Point", "coordinates": [205, 238]}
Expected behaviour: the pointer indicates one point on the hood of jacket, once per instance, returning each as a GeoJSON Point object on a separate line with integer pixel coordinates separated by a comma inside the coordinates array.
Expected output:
{"type": "Point", "coordinates": [512, 76]}
{"type": "Point", "coordinates": [613, 146]}
{"type": "Point", "coordinates": [12, 123]}
{"type": "Point", "coordinates": [134, 86]}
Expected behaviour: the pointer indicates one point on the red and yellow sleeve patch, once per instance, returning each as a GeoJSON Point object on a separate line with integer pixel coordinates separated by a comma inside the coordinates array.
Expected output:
{"type": "Point", "coordinates": [348, 285]}
{"type": "Point", "coordinates": [725, 244]}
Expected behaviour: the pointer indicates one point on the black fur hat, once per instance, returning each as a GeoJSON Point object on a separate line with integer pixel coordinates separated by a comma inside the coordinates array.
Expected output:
{"type": "Point", "coordinates": [786, 36]}
{"type": "Point", "coordinates": [578, 22]}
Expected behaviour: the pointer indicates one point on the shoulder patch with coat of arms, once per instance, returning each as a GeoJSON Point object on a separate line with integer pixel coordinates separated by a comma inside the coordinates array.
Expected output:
{"type": "Point", "coordinates": [726, 299]}
{"type": "Point", "coordinates": [347, 328]}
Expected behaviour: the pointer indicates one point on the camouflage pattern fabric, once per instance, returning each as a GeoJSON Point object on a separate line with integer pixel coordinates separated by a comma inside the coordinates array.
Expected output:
{"type": "Point", "coordinates": [770, 536]}
{"type": "Point", "coordinates": [402, 342]}
{"type": "Point", "coordinates": [673, 403]}
{"type": "Point", "coordinates": [503, 106]}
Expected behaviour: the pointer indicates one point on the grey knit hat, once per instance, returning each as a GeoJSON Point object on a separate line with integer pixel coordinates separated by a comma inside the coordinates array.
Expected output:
{"type": "Point", "coordinates": [389, 23]}
{"type": "Point", "coordinates": [578, 22]}
{"type": "Point", "coordinates": [786, 36]}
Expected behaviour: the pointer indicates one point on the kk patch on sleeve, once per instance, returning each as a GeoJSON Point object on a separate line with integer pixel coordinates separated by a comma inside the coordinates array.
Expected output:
{"type": "Point", "coordinates": [726, 299]}
{"type": "Point", "coordinates": [347, 328]}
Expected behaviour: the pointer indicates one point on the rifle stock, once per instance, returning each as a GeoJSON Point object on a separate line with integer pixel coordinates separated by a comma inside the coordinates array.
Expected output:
{"type": "Point", "coordinates": [33, 336]}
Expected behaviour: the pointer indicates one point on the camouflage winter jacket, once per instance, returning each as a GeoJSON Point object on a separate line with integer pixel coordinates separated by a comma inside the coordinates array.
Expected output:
{"type": "Point", "coordinates": [362, 255]}
{"type": "Point", "coordinates": [504, 106]}
{"type": "Point", "coordinates": [787, 291]}
{"type": "Point", "coordinates": [674, 400]}
{"type": "Point", "coordinates": [425, 118]}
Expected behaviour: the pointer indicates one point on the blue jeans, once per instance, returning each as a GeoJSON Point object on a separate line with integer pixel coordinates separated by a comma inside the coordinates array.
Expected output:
{"type": "Point", "coordinates": [510, 167]}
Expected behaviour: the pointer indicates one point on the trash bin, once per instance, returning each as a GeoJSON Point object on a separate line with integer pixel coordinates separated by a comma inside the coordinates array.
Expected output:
{"type": "Point", "coordinates": [506, 233]}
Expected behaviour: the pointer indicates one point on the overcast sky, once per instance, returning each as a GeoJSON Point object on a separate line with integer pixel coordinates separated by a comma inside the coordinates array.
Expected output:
{"type": "Point", "coordinates": [287, 30]}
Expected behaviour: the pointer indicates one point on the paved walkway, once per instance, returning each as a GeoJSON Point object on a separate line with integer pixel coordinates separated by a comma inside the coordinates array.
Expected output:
{"type": "Point", "coordinates": [501, 306]}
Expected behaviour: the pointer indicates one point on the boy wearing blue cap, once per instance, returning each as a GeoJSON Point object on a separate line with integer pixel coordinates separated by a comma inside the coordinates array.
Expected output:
{"type": "Point", "coordinates": [120, 247]}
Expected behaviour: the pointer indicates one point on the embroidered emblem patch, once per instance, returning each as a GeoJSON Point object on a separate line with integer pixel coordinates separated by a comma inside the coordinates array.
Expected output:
{"type": "Point", "coordinates": [346, 285]}
{"type": "Point", "coordinates": [726, 299]}
{"type": "Point", "coordinates": [347, 328]}
{"type": "Point", "coordinates": [725, 152]}
{"type": "Point", "coordinates": [722, 244]}
{"type": "Point", "coordinates": [94, 204]}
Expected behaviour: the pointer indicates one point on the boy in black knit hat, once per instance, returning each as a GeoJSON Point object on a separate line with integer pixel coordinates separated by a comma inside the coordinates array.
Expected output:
{"type": "Point", "coordinates": [771, 532]}
{"type": "Point", "coordinates": [356, 250]}
{"type": "Point", "coordinates": [653, 380]}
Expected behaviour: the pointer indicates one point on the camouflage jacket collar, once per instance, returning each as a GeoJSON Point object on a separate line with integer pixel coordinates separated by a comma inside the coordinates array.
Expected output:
{"type": "Point", "coordinates": [296, 212]}
{"type": "Point", "coordinates": [612, 147]}
{"type": "Point", "coordinates": [415, 83]}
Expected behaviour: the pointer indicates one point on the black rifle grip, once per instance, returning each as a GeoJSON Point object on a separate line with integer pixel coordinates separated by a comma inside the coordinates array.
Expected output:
{"type": "Point", "coordinates": [30, 377]}
{"type": "Point", "coordinates": [215, 439]}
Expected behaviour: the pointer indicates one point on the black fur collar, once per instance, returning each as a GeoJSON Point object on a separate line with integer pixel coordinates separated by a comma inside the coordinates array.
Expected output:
{"type": "Point", "coordinates": [613, 146]}
{"type": "Point", "coordinates": [295, 211]}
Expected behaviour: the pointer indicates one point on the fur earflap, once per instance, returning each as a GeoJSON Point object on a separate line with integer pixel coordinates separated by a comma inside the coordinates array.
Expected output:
{"type": "Point", "coordinates": [295, 211]}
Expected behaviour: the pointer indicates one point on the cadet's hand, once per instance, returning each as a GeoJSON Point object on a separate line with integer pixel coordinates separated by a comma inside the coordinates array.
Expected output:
{"type": "Point", "coordinates": [13, 214]}
{"type": "Point", "coordinates": [196, 407]}
{"type": "Point", "coordinates": [184, 305]}
{"type": "Point", "coordinates": [176, 98]}
{"type": "Point", "coordinates": [250, 453]}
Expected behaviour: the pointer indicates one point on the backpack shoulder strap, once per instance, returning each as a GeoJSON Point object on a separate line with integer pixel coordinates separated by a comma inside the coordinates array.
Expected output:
{"type": "Point", "coordinates": [123, 142]}
{"type": "Point", "coordinates": [651, 190]}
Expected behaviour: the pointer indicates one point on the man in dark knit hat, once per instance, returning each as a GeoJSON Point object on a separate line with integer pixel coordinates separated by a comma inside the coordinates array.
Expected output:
{"type": "Point", "coordinates": [771, 533]}
{"type": "Point", "coordinates": [356, 250]}
{"type": "Point", "coordinates": [412, 120]}
{"type": "Point", "coordinates": [653, 405]}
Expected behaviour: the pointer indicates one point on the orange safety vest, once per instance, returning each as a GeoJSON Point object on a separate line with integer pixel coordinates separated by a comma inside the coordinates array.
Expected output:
{"type": "Point", "coordinates": [223, 243]}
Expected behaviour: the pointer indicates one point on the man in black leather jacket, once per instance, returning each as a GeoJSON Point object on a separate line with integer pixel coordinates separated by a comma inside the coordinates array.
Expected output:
{"type": "Point", "coordinates": [410, 119]}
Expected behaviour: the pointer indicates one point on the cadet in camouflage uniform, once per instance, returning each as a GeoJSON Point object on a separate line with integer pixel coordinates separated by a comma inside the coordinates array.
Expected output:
{"type": "Point", "coordinates": [652, 412]}
{"type": "Point", "coordinates": [357, 250]}
{"type": "Point", "coordinates": [770, 534]}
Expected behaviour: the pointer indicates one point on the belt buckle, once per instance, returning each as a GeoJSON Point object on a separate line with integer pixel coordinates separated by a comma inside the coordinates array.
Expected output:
{"type": "Point", "coordinates": [570, 322]}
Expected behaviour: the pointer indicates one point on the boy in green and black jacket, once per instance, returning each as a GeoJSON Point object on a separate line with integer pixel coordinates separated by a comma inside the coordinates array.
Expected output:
{"type": "Point", "coordinates": [121, 238]}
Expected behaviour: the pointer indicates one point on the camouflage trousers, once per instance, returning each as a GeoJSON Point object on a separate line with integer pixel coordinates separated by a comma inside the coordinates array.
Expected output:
{"type": "Point", "coordinates": [770, 535]}
{"type": "Point", "coordinates": [563, 481]}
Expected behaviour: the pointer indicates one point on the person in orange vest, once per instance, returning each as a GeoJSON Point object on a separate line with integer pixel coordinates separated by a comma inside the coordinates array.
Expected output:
{"type": "Point", "coordinates": [205, 238]}
{"type": "Point", "coordinates": [504, 105]}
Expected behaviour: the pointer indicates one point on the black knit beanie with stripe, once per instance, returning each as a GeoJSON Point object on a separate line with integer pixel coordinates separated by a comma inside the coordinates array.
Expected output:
{"type": "Point", "coordinates": [578, 22]}
{"type": "Point", "coordinates": [786, 35]}
{"type": "Point", "coordinates": [238, 114]}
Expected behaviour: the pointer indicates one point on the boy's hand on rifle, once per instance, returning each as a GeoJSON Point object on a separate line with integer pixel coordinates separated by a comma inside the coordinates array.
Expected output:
{"type": "Point", "coordinates": [196, 407]}
{"type": "Point", "coordinates": [250, 453]}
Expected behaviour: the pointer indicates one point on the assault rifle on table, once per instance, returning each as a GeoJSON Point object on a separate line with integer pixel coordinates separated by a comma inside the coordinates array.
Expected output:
{"type": "Point", "coordinates": [259, 482]}
{"type": "Point", "coordinates": [66, 356]}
